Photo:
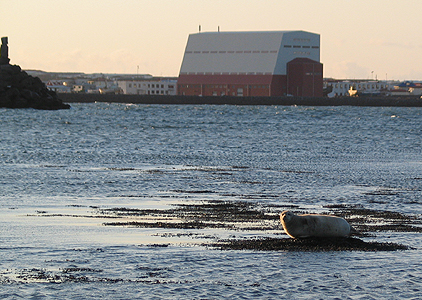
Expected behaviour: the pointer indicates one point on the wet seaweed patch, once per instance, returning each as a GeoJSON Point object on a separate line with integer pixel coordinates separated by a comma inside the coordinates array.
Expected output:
{"type": "Point", "coordinates": [254, 196]}
{"type": "Point", "coordinates": [389, 227]}
{"type": "Point", "coordinates": [188, 234]}
{"type": "Point", "coordinates": [62, 276]}
{"type": "Point", "coordinates": [233, 215]}
{"type": "Point", "coordinates": [227, 211]}
{"type": "Point", "coordinates": [51, 166]}
{"type": "Point", "coordinates": [259, 196]}
{"type": "Point", "coordinates": [75, 269]}
{"type": "Point", "coordinates": [214, 169]}
{"type": "Point", "coordinates": [209, 214]}
{"type": "Point", "coordinates": [243, 216]}
{"type": "Point", "coordinates": [124, 211]}
{"type": "Point", "coordinates": [168, 225]}
{"type": "Point", "coordinates": [46, 214]}
{"type": "Point", "coordinates": [382, 192]}
{"type": "Point", "coordinates": [158, 245]}
{"type": "Point", "coordinates": [369, 220]}
{"type": "Point", "coordinates": [310, 244]}
{"type": "Point", "coordinates": [66, 275]}
{"type": "Point", "coordinates": [120, 169]}
{"type": "Point", "coordinates": [250, 182]}
{"type": "Point", "coordinates": [147, 272]}
{"type": "Point", "coordinates": [146, 275]}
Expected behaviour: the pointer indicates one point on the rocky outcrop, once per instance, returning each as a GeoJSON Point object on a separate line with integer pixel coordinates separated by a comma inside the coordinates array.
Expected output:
{"type": "Point", "coordinates": [20, 90]}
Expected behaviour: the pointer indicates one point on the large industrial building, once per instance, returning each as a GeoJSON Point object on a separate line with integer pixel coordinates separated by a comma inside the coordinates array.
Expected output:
{"type": "Point", "coordinates": [254, 63]}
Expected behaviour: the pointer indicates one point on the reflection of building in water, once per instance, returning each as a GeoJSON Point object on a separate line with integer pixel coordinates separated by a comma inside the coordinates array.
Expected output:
{"type": "Point", "coordinates": [266, 63]}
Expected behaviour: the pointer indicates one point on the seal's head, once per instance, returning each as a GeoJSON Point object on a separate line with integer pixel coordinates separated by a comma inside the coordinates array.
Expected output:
{"type": "Point", "coordinates": [286, 216]}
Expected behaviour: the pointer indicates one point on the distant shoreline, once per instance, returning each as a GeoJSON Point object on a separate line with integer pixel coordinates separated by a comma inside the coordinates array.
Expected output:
{"type": "Point", "coordinates": [406, 101]}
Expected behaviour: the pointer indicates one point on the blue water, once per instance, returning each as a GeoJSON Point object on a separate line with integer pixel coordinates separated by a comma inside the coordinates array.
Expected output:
{"type": "Point", "coordinates": [58, 167]}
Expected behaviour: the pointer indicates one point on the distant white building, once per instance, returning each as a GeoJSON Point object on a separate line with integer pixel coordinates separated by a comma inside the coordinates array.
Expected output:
{"type": "Point", "coordinates": [407, 88]}
{"type": "Point", "coordinates": [342, 87]}
{"type": "Point", "coordinates": [148, 87]}
{"type": "Point", "coordinates": [416, 91]}
{"type": "Point", "coordinates": [252, 63]}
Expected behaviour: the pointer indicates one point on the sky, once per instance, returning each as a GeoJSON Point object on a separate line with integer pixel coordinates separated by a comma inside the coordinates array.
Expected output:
{"type": "Point", "coordinates": [360, 39]}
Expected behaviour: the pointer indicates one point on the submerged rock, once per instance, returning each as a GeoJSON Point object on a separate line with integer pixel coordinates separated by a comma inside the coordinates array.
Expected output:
{"type": "Point", "coordinates": [20, 90]}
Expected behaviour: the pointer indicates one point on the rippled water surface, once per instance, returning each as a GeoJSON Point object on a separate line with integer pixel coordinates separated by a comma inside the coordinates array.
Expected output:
{"type": "Point", "coordinates": [59, 167]}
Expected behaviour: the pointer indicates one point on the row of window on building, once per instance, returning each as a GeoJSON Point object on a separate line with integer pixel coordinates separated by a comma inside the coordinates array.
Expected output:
{"type": "Point", "coordinates": [150, 85]}
{"type": "Point", "coordinates": [225, 86]}
{"type": "Point", "coordinates": [222, 86]}
{"type": "Point", "coordinates": [250, 51]}
{"type": "Point", "coordinates": [231, 51]}
{"type": "Point", "coordinates": [347, 88]}
{"type": "Point", "coordinates": [148, 88]}
{"type": "Point", "coordinates": [359, 86]}
{"type": "Point", "coordinates": [223, 90]}
{"type": "Point", "coordinates": [304, 47]}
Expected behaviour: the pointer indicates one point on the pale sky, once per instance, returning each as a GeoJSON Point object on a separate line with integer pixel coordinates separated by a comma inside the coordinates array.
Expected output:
{"type": "Point", "coordinates": [359, 38]}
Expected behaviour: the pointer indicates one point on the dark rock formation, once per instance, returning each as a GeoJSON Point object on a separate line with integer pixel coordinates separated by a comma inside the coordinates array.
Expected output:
{"type": "Point", "coordinates": [20, 90]}
{"type": "Point", "coordinates": [4, 52]}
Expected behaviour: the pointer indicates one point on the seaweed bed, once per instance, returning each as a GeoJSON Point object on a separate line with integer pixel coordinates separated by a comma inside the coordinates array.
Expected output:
{"type": "Point", "coordinates": [245, 216]}
{"type": "Point", "coordinates": [310, 244]}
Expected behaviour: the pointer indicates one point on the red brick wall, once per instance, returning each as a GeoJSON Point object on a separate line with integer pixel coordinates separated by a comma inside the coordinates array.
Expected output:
{"type": "Point", "coordinates": [218, 85]}
{"type": "Point", "coordinates": [304, 78]}
{"type": "Point", "coordinates": [279, 85]}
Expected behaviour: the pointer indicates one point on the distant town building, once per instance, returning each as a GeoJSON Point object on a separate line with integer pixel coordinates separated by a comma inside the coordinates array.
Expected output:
{"type": "Point", "coordinates": [349, 87]}
{"type": "Point", "coordinates": [262, 63]}
{"type": "Point", "coordinates": [406, 88]}
{"type": "Point", "coordinates": [340, 88]}
{"type": "Point", "coordinates": [58, 86]}
{"type": "Point", "coordinates": [148, 87]}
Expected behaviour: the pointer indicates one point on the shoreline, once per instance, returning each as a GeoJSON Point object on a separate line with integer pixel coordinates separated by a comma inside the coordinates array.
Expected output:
{"type": "Point", "coordinates": [405, 101]}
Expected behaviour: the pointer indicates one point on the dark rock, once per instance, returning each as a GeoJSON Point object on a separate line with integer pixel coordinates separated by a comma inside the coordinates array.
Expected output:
{"type": "Point", "coordinates": [20, 90]}
{"type": "Point", "coordinates": [4, 51]}
{"type": "Point", "coordinates": [28, 94]}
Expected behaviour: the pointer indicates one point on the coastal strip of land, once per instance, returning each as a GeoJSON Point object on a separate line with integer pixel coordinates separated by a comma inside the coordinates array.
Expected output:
{"type": "Point", "coordinates": [405, 101]}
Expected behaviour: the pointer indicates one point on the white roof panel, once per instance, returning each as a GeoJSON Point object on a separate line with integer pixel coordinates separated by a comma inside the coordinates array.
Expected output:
{"type": "Point", "coordinates": [246, 52]}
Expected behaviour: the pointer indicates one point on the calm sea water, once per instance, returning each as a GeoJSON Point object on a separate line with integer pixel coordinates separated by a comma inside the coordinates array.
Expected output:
{"type": "Point", "coordinates": [65, 164]}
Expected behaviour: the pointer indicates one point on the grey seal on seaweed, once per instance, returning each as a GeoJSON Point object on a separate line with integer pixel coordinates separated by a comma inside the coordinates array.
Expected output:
{"type": "Point", "coordinates": [312, 225]}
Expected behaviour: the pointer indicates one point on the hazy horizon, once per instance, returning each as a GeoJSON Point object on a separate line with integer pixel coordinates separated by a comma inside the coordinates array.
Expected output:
{"type": "Point", "coordinates": [359, 39]}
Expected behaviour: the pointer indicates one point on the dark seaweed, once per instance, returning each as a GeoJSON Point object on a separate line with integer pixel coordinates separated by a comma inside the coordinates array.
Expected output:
{"type": "Point", "coordinates": [232, 215]}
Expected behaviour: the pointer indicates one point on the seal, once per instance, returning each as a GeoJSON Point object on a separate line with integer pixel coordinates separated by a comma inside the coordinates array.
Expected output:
{"type": "Point", "coordinates": [312, 225]}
